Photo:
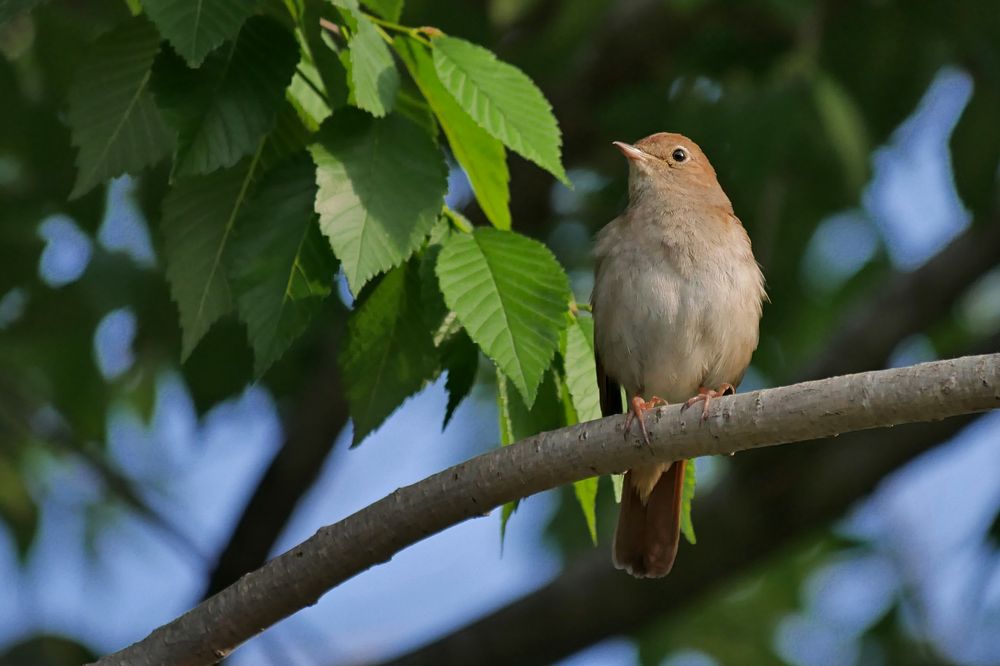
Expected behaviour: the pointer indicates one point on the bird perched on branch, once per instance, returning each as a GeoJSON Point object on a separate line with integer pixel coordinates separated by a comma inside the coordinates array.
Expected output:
{"type": "Point", "coordinates": [677, 303]}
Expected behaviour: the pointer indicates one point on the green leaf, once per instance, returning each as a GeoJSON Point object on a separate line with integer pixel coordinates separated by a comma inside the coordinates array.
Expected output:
{"type": "Point", "coordinates": [518, 421]}
{"type": "Point", "coordinates": [481, 156]}
{"type": "Point", "coordinates": [581, 373]}
{"type": "Point", "coordinates": [502, 99]}
{"type": "Point", "coordinates": [506, 439]}
{"type": "Point", "coordinates": [461, 359]}
{"type": "Point", "coordinates": [374, 79]}
{"type": "Point", "coordinates": [17, 508]}
{"type": "Point", "coordinates": [389, 354]}
{"type": "Point", "coordinates": [412, 105]}
{"type": "Point", "coordinates": [222, 109]}
{"type": "Point", "coordinates": [390, 10]}
{"type": "Point", "coordinates": [287, 139]}
{"type": "Point", "coordinates": [282, 268]}
{"type": "Point", "coordinates": [112, 116]}
{"type": "Point", "coordinates": [510, 294]}
{"type": "Point", "coordinates": [845, 128]}
{"type": "Point", "coordinates": [306, 94]}
{"type": "Point", "coordinates": [195, 28]}
{"type": "Point", "coordinates": [586, 496]}
{"type": "Point", "coordinates": [381, 185]}
{"type": "Point", "coordinates": [618, 483]}
{"type": "Point", "coordinates": [198, 219]}
{"type": "Point", "coordinates": [585, 489]}
{"type": "Point", "coordinates": [687, 495]}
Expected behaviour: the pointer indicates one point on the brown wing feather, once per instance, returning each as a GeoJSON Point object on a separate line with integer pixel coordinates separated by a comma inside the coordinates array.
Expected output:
{"type": "Point", "coordinates": [610, 391]}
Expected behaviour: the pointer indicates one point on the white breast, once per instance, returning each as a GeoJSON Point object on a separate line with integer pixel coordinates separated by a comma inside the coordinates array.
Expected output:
{"type": "Point", "coordinates": [673, 316]}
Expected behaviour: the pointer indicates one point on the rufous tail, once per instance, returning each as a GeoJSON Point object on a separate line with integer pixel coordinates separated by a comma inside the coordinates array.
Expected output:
{"type": "Point", "coordinates": [648, 532]}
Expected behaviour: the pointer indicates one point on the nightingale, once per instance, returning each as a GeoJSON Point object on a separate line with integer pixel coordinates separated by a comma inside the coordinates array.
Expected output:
{"type": "Point", "coordinates": [677, 303]}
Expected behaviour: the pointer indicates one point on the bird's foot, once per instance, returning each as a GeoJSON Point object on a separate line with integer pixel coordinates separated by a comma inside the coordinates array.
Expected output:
{"type": "Point", "coordinates": [635, 414]}
{"type": "Point", "coordinates": [706, 395]}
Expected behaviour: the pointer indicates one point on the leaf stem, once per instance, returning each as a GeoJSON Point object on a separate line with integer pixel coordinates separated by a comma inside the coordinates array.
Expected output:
{"type": "Point", "coordinates": [458, 220]}
{"type": "Point", "coordinates": [415, 33]}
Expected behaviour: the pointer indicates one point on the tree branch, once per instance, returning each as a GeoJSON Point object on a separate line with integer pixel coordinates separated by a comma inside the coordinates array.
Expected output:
{"type": "Point", "coordinates": [335, 553]}
{"type": "Point", "coordinates": [311, 431]}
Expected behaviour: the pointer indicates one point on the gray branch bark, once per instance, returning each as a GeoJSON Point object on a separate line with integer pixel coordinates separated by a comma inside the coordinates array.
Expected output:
{"type": "Point", "coordinates": [297, 578]}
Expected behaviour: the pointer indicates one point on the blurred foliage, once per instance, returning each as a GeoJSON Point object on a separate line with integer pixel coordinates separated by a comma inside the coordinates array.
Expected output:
{"type": "Point", "coordinates": [46, 650]}
{"type": "Point", "coordinates": [788, 97]}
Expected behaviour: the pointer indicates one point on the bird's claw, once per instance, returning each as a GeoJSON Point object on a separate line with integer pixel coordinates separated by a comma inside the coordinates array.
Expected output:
{"type": "Point", "coordinates": [706, 395]}
{"type": "Point", "coordinates": [635, 414]}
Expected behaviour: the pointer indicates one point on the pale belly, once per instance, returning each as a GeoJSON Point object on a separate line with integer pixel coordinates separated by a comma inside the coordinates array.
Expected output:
{"type": "Point", "coordinates": [663, 334]}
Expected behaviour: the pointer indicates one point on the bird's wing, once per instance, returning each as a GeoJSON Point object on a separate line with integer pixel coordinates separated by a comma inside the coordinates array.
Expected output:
{"type": "Point", "coordinates": [611, 394]}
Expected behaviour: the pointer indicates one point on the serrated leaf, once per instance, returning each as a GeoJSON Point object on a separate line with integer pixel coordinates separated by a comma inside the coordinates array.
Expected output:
{"type": "Point", "coordinates": [510, 294]}
{"type": "Point", "coordinates": [502, 99]}
{"type": "Point", "coordinates": [282, 268]}
{"type": "Point", "coordinates": [318, 59]}
{"type": "Point", "coordinates": [481, 156]}
{"type": "Point", "coordinates": [413, 106]}
{"type": "Point", "coordinates": [584, 489]}
{"type": "Point", "coordinates": [687, 496]}
{"type": "Point", "coordinates": [581, 373]}
{"type": "Point", "coordinates": [460, 358]}
{"type": "Point", "coordinates": [374, 79]}
{"type": "Point", "coordinates": [199, 215]}
{"type": "Point", "coordinates": [389, 354]}
{"type": "Point", "coordinates": [196, 28]}
{"type": "Point", "coordinates": [506, 439]}
{"type": "Point", "coordinates": [114, 121]}
{"type": "Point", "coordinates": [390, 10]}
{"type": "Point", "coordinates": [518, 421]}
{"type": "Point", "coordinates": [381, 185]}
{"type": "Point", "coordinates": [222, 109]}
{"type": "Point", "coordinates": [287, 139]}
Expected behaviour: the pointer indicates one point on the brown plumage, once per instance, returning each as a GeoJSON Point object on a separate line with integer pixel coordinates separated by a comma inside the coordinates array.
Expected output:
{"type": "Point", "coordinates": [677, 301]}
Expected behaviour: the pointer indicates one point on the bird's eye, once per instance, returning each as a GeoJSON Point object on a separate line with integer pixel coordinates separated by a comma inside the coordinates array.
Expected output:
{"type": "Point", "coordinates": [679, 155]}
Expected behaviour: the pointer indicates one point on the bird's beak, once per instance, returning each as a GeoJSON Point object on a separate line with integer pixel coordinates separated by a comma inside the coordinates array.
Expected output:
{"type": "Point", "coordinates": [629, 151]}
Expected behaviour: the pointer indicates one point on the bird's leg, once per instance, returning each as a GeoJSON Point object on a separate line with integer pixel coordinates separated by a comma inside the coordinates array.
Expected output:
{"type": "Point", "coordinates": [705, 395]}
{"type": "Point", "coordinates": [635, 413]}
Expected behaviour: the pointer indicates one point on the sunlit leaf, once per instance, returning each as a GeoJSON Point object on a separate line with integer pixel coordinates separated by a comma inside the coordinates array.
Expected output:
{"type": "Point", "coordinates": [687, 495]}
{"type": "Point", "coordinates": [581, 372]}
{"type": "Point", "coordinates": [113, 118]}
{"type": "Point", "coordinates": [381, 185]}
{"type": "Point", "coordinates": [518, 421]}
{"type": "Point", "coordinates": [585, 490]}
{"type": "Point", "coordinates": [510, 294]}
{"type": "Point", "coordinates": [481, 156]}
{"type": "Point", "coordinates": [374, 79]}
{"type": "Point", "coordinates": [502, 99]}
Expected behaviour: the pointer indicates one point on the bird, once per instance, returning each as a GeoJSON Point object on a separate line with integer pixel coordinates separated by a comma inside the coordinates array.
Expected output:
{"type": "Point", "coordinates": [677, 302]}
